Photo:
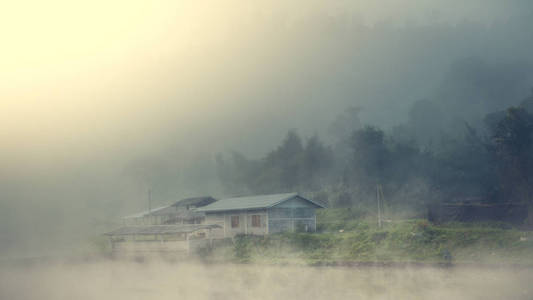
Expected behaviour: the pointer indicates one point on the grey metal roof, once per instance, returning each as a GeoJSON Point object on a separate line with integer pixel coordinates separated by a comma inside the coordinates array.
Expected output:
{"type": "Point", "coordinates": [159, 229]}
{"type": "Point", "coordinates": [251, 202]}
{"type": "Point", "coordinates": [176, 208]}
{"type": "Point", "coordinates": [178, 212]}
{"type": "Point", "coordinates": [196, 201]}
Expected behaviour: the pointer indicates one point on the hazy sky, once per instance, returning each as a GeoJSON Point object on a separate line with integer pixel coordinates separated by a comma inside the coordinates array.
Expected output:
{"type": "Point", "coordinates": [88, 87]}
{"type": "Point", "coordinates": [104, 76]}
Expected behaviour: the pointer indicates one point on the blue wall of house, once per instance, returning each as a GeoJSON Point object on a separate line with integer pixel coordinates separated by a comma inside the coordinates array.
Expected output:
{"type": "Point", "coordinates": [295, 214]}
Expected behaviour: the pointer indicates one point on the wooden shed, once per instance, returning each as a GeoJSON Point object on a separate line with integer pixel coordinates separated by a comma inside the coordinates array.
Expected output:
{"type": "Point", "coordinates": [159, 239]}
{"type": "Point", "coordinates": [261, 215]}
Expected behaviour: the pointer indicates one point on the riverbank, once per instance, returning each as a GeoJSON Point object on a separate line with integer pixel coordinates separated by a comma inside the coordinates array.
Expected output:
{"type": "Point", "coordinates": [413, 241]}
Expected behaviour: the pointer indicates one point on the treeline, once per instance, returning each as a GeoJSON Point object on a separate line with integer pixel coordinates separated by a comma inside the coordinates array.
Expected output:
{"type": "Point", "coordinates": [429, 158]}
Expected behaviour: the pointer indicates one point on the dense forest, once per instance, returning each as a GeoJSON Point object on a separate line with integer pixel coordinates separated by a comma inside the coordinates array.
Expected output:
{"type": "Point", "coordinates": [431, 158]}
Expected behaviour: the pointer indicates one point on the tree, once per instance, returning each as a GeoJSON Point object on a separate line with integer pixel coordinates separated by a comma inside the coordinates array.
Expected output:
{"type": "Point", "coordinates": [464, 167]}
{"type": "Point", "coordinates": [341, 130]}
{"type": "Point", "coordinates": [512, 139]}
{"type": "Point", "coordinates": [236, 174]}
{"type": "Point", "coordinates": [318, 160]}
{"type": "Point", "coordinates": [288, 158]}
{"type": "Point", "coordinates": [370, 154]}
{"type": "Point", "coordinates": [426, 122]}
{"type": "Point", "coordinates": [346, 123]}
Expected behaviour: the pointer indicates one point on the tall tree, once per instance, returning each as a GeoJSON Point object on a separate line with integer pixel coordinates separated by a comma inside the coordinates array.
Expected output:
{"type": "Point", "coordinates": [287, 158]}
{"type": "Point", "coordinates": [317, 161]}
{"type": "Point", "coordinates": [370, 153]}
{"type": "Point", "coordinates": [512, 138]}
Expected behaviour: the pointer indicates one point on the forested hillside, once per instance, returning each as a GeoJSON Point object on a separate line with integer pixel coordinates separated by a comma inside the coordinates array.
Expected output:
{"type": "Point", "coordinates": [435, 156]}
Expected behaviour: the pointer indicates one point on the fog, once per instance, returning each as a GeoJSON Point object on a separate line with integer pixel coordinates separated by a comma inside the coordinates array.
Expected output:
{"type": "Point", "coordinates": [196, 281]}
{"type": "Point", "coordinates": [101, 101]}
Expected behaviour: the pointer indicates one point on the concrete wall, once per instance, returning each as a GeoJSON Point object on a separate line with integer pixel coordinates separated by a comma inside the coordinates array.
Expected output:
{"type": "Point", "coordinates": [148, 245]}
{"type": "Point", "coordinates": [134, 248]}
{"type": "Point", "coordinates": [197, 244]}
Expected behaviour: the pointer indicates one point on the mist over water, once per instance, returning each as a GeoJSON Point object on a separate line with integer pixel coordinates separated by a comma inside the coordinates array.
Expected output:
{"type": "Point", "coordinates": [422, 102]}
{"type": "Point", "coordinates": [120, 280]}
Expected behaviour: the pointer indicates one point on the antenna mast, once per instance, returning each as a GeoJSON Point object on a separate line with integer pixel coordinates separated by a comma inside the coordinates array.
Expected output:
{"type": "Point", "coordinates": [149, 201]}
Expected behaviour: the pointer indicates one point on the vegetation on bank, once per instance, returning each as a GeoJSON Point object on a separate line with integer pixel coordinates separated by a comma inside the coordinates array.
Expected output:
{"type": "Point", "coordinates": [402, 241]}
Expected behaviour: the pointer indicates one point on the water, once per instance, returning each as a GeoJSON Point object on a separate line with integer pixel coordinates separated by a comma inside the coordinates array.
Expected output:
{"type": "Point", "coordinates": [130, 280]}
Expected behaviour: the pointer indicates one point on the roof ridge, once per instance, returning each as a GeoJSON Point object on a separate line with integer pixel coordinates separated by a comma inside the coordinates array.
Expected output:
{"type": "Point", "coordinates": [261, 195]}
{"type": "Point", "coordinates": [252, 202]}
{"type": "Point", "coordinates": [284, 199]}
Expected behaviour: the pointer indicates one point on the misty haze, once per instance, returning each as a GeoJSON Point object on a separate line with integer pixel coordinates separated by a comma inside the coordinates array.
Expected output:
{"type": "Point", "coordinates": [266, 149]}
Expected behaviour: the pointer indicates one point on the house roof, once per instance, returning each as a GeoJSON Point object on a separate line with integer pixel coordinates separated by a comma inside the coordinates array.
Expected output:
{"type": "Point", "coordinates": [159, 229]}
{"type": "Point", "coordinates": [179, 213]}
{"type": "Point", "coordinates": [252, 202]}
{"type": "Point", "coordinates": [196, 201]}
{"type": "Point", "coordinates": [172, 209]}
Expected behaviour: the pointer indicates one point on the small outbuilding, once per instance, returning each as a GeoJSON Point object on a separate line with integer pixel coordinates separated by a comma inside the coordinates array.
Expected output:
{"type": "Point", "coordinates": [179, 212]}
{"type": "Point", "coordinates": [261, 215]}
{"type": "Point", "coordinates": [159, 239]}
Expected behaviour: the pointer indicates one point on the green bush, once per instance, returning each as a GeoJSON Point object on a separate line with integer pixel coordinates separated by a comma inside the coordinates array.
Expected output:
{"type": "Point", "coordinates": [242, 248]}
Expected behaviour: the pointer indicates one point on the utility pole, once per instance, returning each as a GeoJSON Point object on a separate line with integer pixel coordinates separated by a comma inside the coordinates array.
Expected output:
{"type": "Point", "coordinates": [379, 199]}
{"type": "Point", "coordinates": [149, 201]}
{"type": "Point", "coordinates": [379, 206]}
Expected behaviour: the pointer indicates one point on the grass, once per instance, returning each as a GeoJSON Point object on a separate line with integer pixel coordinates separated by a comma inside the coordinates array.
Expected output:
{"type": "Point", "coordinates": [342, 237]}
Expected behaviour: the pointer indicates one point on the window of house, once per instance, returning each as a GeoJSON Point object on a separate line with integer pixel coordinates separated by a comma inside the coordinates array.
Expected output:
{"type": "Point", "coordinates": [256, 221]}
{"type": "Point", "coordinates": [234, 221]}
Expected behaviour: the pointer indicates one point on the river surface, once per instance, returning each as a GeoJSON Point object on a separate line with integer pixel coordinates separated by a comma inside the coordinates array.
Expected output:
{"type": "Point", "coordinates": [129, 280]}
